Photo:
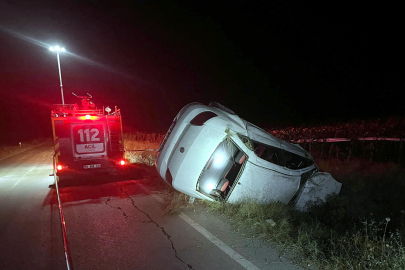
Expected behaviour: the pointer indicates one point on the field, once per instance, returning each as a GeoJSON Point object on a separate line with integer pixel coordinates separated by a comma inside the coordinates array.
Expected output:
{"type": "Point", "coordinates": [6, 151]}
{"type": "Point", "coordinates": [361, 228]}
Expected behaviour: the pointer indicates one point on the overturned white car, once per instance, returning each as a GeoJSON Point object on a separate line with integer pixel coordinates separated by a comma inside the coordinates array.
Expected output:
{"type": "Point", "coordinates": [210, 153]}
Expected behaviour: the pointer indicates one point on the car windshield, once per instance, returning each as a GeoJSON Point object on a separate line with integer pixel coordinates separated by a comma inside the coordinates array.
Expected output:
{"type": "Point", "coordinates": [276, 155]}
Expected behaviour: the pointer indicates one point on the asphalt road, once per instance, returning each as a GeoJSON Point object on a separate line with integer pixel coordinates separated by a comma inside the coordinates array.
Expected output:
{"type": "Point", "coordinates": [114, 222]}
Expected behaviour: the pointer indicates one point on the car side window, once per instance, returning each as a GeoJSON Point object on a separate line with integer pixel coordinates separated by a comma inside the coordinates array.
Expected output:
{"type": "Point", "coordinates": [295, 162]}
{"type": "Point", "coordinates": [266, 152]}
{"type": "Point", "coordinates": [263, 151]}
{"type": "Point", "coordinates": [246, 141]}
{"type": "Point", "coordinates": [276, 155]}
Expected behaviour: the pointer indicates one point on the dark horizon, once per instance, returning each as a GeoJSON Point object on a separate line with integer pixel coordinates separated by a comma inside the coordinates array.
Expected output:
{"type": "Point", "coordinates": [274, 63]}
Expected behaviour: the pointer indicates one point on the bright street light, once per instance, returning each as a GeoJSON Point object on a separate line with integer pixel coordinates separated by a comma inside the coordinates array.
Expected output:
{"type": "Point", "coordinates": [58, 50]}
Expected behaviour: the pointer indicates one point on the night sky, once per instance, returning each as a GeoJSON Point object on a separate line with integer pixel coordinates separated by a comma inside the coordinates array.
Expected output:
{"type": "Point", "coordinates": [275, 63]}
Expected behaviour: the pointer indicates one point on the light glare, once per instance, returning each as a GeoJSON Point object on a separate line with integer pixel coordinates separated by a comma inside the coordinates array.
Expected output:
{"type": "Point", "coordinates": [210, 186]}
{"type": "Point", "coordinates": [219, 159]}
{"type": "Point", "coordinates": [57, 49]}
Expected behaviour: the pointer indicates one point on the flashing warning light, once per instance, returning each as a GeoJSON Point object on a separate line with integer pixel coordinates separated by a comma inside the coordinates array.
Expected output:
{"type": "Point", "coordinates": [59, 167]}
{"type": "Point", "coordinates": [88, 117]}
{"type": "Point", "coordinates": [122, 162]}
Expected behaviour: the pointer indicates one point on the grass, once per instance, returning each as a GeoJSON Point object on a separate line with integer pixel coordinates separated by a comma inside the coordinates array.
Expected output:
{"type": "Point", "coordinates": [141, 141]}
{"type": "Point", "coordinates": [361, 228]}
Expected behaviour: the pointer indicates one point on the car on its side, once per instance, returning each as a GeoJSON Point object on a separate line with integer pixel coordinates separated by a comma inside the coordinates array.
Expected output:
{"type": "Point", "coordinates": [211, 153]}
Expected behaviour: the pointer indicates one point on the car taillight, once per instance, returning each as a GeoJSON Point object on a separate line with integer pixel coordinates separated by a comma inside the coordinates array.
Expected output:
{"type": "Point", "coordinates": [59, 167]}
{"type": "Point", "coordinates": [122, 162]}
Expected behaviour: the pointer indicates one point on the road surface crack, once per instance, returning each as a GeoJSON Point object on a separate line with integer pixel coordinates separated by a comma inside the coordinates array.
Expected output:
{"type": "Point", "coordinates": [161, 228]}
{"type": "Point", "coordinates": [118, 208]}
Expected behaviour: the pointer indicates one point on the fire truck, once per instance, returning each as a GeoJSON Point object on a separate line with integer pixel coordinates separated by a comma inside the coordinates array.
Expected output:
{"type": "Point", "coordinates": [86, 139]}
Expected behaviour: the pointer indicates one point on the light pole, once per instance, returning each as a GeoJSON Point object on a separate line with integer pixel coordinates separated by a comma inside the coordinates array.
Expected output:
{"type": "Point", "coordinates": [58, 50]}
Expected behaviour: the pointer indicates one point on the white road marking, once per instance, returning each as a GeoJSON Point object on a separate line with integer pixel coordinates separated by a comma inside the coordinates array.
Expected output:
{"type": "Point", "coordinates": [212, 238]}
{"type": "Point", "coordinates": [224, 247]}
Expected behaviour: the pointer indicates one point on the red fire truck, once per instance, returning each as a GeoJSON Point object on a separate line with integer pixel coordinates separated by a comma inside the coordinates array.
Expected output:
{"type": "Point", "coordinates": [86, 139]}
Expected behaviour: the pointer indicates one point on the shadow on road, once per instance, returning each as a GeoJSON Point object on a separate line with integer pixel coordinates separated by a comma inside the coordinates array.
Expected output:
{"type": "Point", "coordinates": [95, 188]}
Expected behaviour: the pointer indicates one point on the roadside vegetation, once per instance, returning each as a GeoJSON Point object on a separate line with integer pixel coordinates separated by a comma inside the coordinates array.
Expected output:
{"type": "Point", "coordinates": [393, 127]}
{"type": "Point", "coordinates": [361, 228]}
{"type": "Point", "coordinates": [134, 143]}
{"type": "Point", "coordinates": [8, 150]}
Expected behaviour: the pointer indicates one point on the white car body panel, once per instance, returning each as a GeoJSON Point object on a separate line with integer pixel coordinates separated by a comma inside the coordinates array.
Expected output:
{"type": "Point", "coordinates": [264, 185]}
{"type": "Point", "coordinates": [198, 156]}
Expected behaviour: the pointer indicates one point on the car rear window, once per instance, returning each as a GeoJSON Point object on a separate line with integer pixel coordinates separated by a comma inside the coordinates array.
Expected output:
{"type": "Point", "coordinates": [201, 118]}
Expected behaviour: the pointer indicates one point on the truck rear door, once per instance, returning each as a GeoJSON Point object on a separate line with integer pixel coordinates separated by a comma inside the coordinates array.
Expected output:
{"type": "Point", "coordinates": [89, 140]}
